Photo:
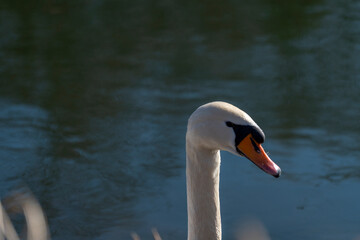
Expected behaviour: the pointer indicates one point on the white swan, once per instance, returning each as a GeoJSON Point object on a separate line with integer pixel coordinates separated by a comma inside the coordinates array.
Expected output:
{"type": "Point", "coordinates": [212, 127]}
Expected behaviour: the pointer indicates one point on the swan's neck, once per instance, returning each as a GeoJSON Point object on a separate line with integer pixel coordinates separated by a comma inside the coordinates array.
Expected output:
{"type": "Point", "coordinates": [202, 178]}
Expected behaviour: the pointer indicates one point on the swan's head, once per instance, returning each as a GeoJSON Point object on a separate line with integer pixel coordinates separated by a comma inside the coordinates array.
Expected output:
{"type": "Point", "coordinates": [222, 126]}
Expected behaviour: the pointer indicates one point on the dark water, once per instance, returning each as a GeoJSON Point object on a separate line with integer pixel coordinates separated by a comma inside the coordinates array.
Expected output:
{"type": "Point", "coordinates": [95, 96]}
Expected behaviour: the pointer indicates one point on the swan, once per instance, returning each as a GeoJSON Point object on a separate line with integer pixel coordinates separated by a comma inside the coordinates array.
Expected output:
{"type": "Point", "coordinates": [213, 127]}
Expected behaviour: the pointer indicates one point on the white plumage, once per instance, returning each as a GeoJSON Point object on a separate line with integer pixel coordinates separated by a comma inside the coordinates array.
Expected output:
{"type": "Point", "coordinates": [207, 133]}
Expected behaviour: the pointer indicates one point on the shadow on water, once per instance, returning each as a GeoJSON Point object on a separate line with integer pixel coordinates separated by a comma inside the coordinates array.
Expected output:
{"type": "Point", "coordinates": [95, 97]}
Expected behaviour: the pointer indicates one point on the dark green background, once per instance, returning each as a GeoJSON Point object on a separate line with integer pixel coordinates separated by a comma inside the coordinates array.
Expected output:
{"type": "Point", "coordinates": [95, 96]}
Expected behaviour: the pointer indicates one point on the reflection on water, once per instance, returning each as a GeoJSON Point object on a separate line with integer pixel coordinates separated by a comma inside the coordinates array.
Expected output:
{"type": "Point", "coordinates": [94, 99]}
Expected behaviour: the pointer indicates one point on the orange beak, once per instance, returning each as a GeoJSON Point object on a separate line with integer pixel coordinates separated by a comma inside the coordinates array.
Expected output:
{"type": "Point", "coordinates": [255, 153]}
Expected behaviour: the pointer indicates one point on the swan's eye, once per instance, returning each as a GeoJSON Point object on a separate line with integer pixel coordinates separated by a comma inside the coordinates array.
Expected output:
{"type": "Point", "coordinates": [256, 148]}
{"type": "Point", "coordinates": [229, 124]}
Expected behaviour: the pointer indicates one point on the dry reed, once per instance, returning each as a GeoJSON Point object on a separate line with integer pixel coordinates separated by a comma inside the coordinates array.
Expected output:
{"type": "Point", "coordinates": [22, 201]}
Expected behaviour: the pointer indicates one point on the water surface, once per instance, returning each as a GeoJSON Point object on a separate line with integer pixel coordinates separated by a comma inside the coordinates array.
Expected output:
{"type": "Point", "coordinates": [95, 96]}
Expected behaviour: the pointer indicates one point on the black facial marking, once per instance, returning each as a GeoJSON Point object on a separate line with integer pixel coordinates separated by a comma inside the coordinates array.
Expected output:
{"type": "Point", "coordinates": [241, 131]}
{"type": "Point", "coordinates": [229, 124]}
{"type": "Point", "coordinates": [240, 152]}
